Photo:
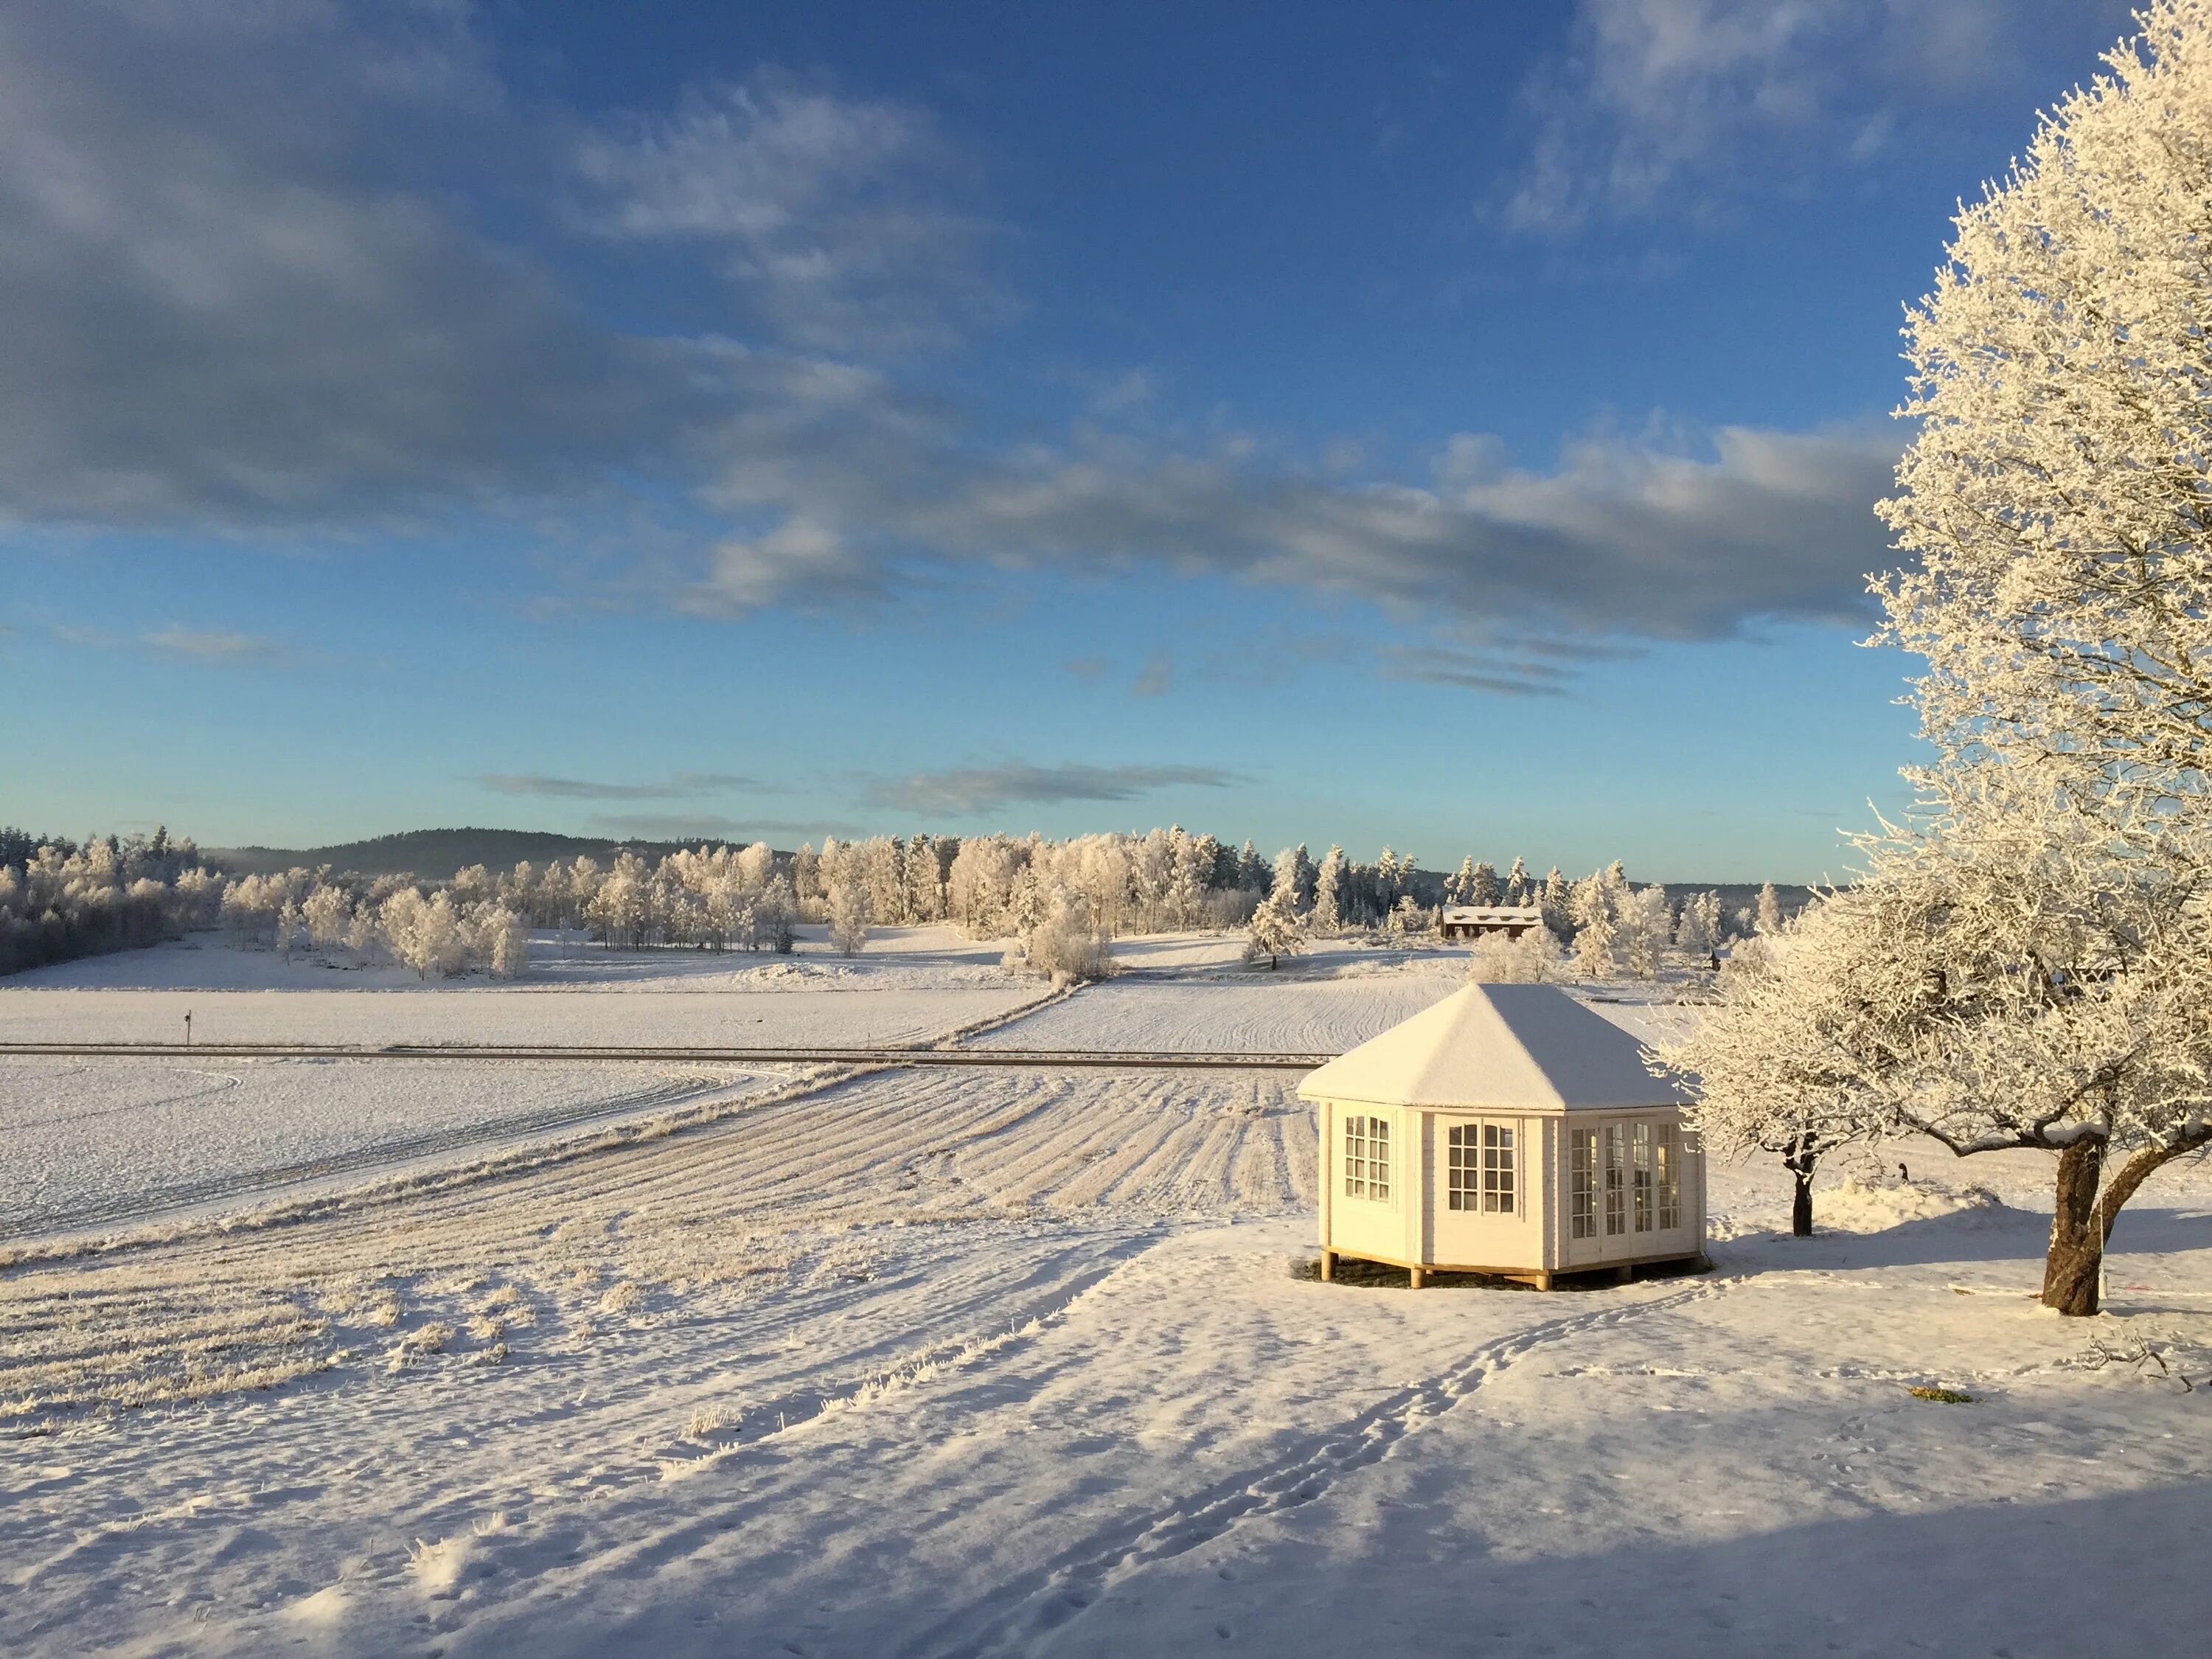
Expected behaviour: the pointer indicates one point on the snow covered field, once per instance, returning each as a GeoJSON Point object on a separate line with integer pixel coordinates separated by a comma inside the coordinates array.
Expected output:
{"type": "Point", "coordinates": [100, 1140]}
{"type": "Point", "coordinates": [1016, 1362]}
{"type": "Point", "coordinates": [1286, 1016]}
{"type": "Point", "coordinates": [918, 983]}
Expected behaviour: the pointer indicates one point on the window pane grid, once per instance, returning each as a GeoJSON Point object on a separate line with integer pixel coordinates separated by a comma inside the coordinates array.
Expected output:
{"type": "Point", "coordinates": [1496, 1169]}
{"type": "Point", "coordinates": [1640, 1144]}
{"type": "Point", "coordinates": [1462, 1169]}
{"type": "Point", "coordinates": [1367, 1158]}
{"type": "Point", "coordinates": [1582, 1204]}
{"type": "Point", "coordinates": [1616, 1181]}
{"type": "Point", "coordinates": [1479, 1169]}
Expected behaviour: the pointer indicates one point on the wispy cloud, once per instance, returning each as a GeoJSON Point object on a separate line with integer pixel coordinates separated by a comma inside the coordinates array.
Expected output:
{"type": "Point", "coordinates": [965, 791]}
{"type": "Point", "coordinates": [1658, 536]}
{"type": "Point", "coordinates": [1157, 678]}
{"type": "Point", "coordinates": [1675, 106]}
{"type": "Point", "coordinates": [232, 383]}
{"type": "Point", "coordinates": [250, 307]}
{"type": "Point", "coordinates": [711, 826]}
{"type": "Point", "coordinates": [683, 786]}
{"type": "Point", "coordinates": [212, 646]}
{"type": "Point", "coordinates": [1503, 672]}
{"type": "Point", "coordinates": [833, 213]}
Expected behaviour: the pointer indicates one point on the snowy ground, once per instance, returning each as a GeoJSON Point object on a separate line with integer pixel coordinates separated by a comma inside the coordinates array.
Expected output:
{"type": "Point", "coordinates": [985, 1362]}
{"type": "Point", "coordinates": [914, 983]}
{"type": "Point", "coordinates": [104, 1140]}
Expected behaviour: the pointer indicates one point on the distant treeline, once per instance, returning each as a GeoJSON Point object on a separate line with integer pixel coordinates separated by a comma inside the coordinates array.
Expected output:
{"type": "Point", "coordinates": [60, 900]}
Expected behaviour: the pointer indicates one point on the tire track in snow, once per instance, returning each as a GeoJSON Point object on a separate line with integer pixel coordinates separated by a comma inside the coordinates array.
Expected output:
{"type": "Point", "coordinates": [1043, 1602]}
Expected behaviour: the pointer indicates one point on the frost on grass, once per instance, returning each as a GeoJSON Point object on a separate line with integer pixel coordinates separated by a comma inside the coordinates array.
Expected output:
{"type": "Point", "coordinates": [419, 1344]}
{"type": "Point", "coordinates": [438, 1567]}
{"type": "Point", "coordinates": [71, 1347]}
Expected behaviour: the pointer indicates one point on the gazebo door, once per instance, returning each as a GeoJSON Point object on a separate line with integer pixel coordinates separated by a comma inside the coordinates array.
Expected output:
{"type": "Point", "coordinates": [1624, 1190]}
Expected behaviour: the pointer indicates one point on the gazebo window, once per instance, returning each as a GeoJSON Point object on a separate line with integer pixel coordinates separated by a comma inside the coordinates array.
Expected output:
{"type": "Point", "coordinates": [1616, 1181]}
{"type": "Point", "coordinates": [1367, 1158]}
{"type": "Point", "coordinates": [1479, 1169]}
{"type": "Point", "coordinates": [1668, 1156]}
{"type": "Point", "coordinates": [1640, 1173]}
{"type": "Point", "coordinates": [1582, 1188]}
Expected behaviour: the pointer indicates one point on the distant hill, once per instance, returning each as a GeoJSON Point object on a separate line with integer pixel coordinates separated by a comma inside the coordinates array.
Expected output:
{"type": "Point", "coordinates": [434, 854]}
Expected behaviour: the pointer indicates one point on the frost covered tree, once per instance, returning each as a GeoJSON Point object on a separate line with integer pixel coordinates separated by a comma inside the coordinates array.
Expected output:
{"type": "Point", "coordinates": [1408, 918]}
{"type": "Point", "coordinates": [1461, 882]}
{"type": "Point", "coordinates": [1064, 945]}
{"type": "Point", "coordinates": [291, 924]}
{"type": "Point", "coordinates": [1483, 889]}
{"type": "Point", "coordinates": [1768, 918]}
{"type": "Point", "coordinates": [2024, 963]}
{"type": "Point", "coordinates": [848, 915]}
{"type": "Point", "coordinates": [1697, 929]}
{"type": "Point", "coordinates": [326, 911]}
{"type": "Point", "coordinates": [2054, 497]}
{"type": "Point", "coordinates": [1327, 920]}
{"type": "Point", "coordinates": [499, 938]}
{"type": "Point", "coordinates": [775, 917]}
{"type": "Point", "coordinates": [1591, 907]}
{"type": "Point", "coordinates": [1764, 1074]}
{"type": "Point", "coordinates": [1519, 884]}
{"type": "Point", "coordinates": [1275, 932]}
{"type": "Point", "coordinates": [1557, 902]}
{"type": "Point", "coordinates": [1646, 927]}
{"type": "Point", "coordinates": [1996, 979]}
{"type": "Point", "coordinates": [424, 934]}
{"type": "Point", "coordinates": [1592, 954]}
{"type": "Point", "coordinates": [1495, 959]}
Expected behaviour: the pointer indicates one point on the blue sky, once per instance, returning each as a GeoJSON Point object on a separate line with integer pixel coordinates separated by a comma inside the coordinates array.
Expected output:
{"type": "Point", "coordinates": [1448, 426]}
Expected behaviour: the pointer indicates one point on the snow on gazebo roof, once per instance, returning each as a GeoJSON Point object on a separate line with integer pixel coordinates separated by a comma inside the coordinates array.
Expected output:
{"type": "Point", "coordinates": [1512, 1048]}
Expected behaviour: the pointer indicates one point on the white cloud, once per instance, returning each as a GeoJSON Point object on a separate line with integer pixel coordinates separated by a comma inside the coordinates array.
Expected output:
{"type": "Point", "coordinates": [236, 295]}
{"type": "Point", "coordinates": [215, 646]}
{"type": "Point", "coordinates": [1639, 538]}
{"type": "Point", "coordinates": [962, 792]}
{"type": "Point", "coordinates": [683, 786]}
{"type": "Point", "coordinates": [710, 826]}
{"type": "Point", "coordinates": [1676, 105]}
{"type": "Point", "coordinates": [834, 215]}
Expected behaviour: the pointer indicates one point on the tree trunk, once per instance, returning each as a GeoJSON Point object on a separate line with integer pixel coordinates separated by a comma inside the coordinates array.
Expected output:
{"type": "Point", "coordinates": [2077, 1230]}
{"type": "Point", "coordinates": [1800, 1165]}
{"type": "Point", "coordinates": [2083, 1224]}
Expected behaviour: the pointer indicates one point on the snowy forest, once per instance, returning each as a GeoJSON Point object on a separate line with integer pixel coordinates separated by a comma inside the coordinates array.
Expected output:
{"type": "Point", "coordinates": [1060, 903]}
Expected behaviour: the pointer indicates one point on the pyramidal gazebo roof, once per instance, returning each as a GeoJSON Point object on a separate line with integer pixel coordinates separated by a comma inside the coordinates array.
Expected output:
{"type": "Point", "coordinates": [1511, 1047]}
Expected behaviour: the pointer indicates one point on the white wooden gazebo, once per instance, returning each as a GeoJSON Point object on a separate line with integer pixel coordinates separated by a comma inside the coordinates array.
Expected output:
{"type": "Point", "coordinates": [1506, 1130]}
